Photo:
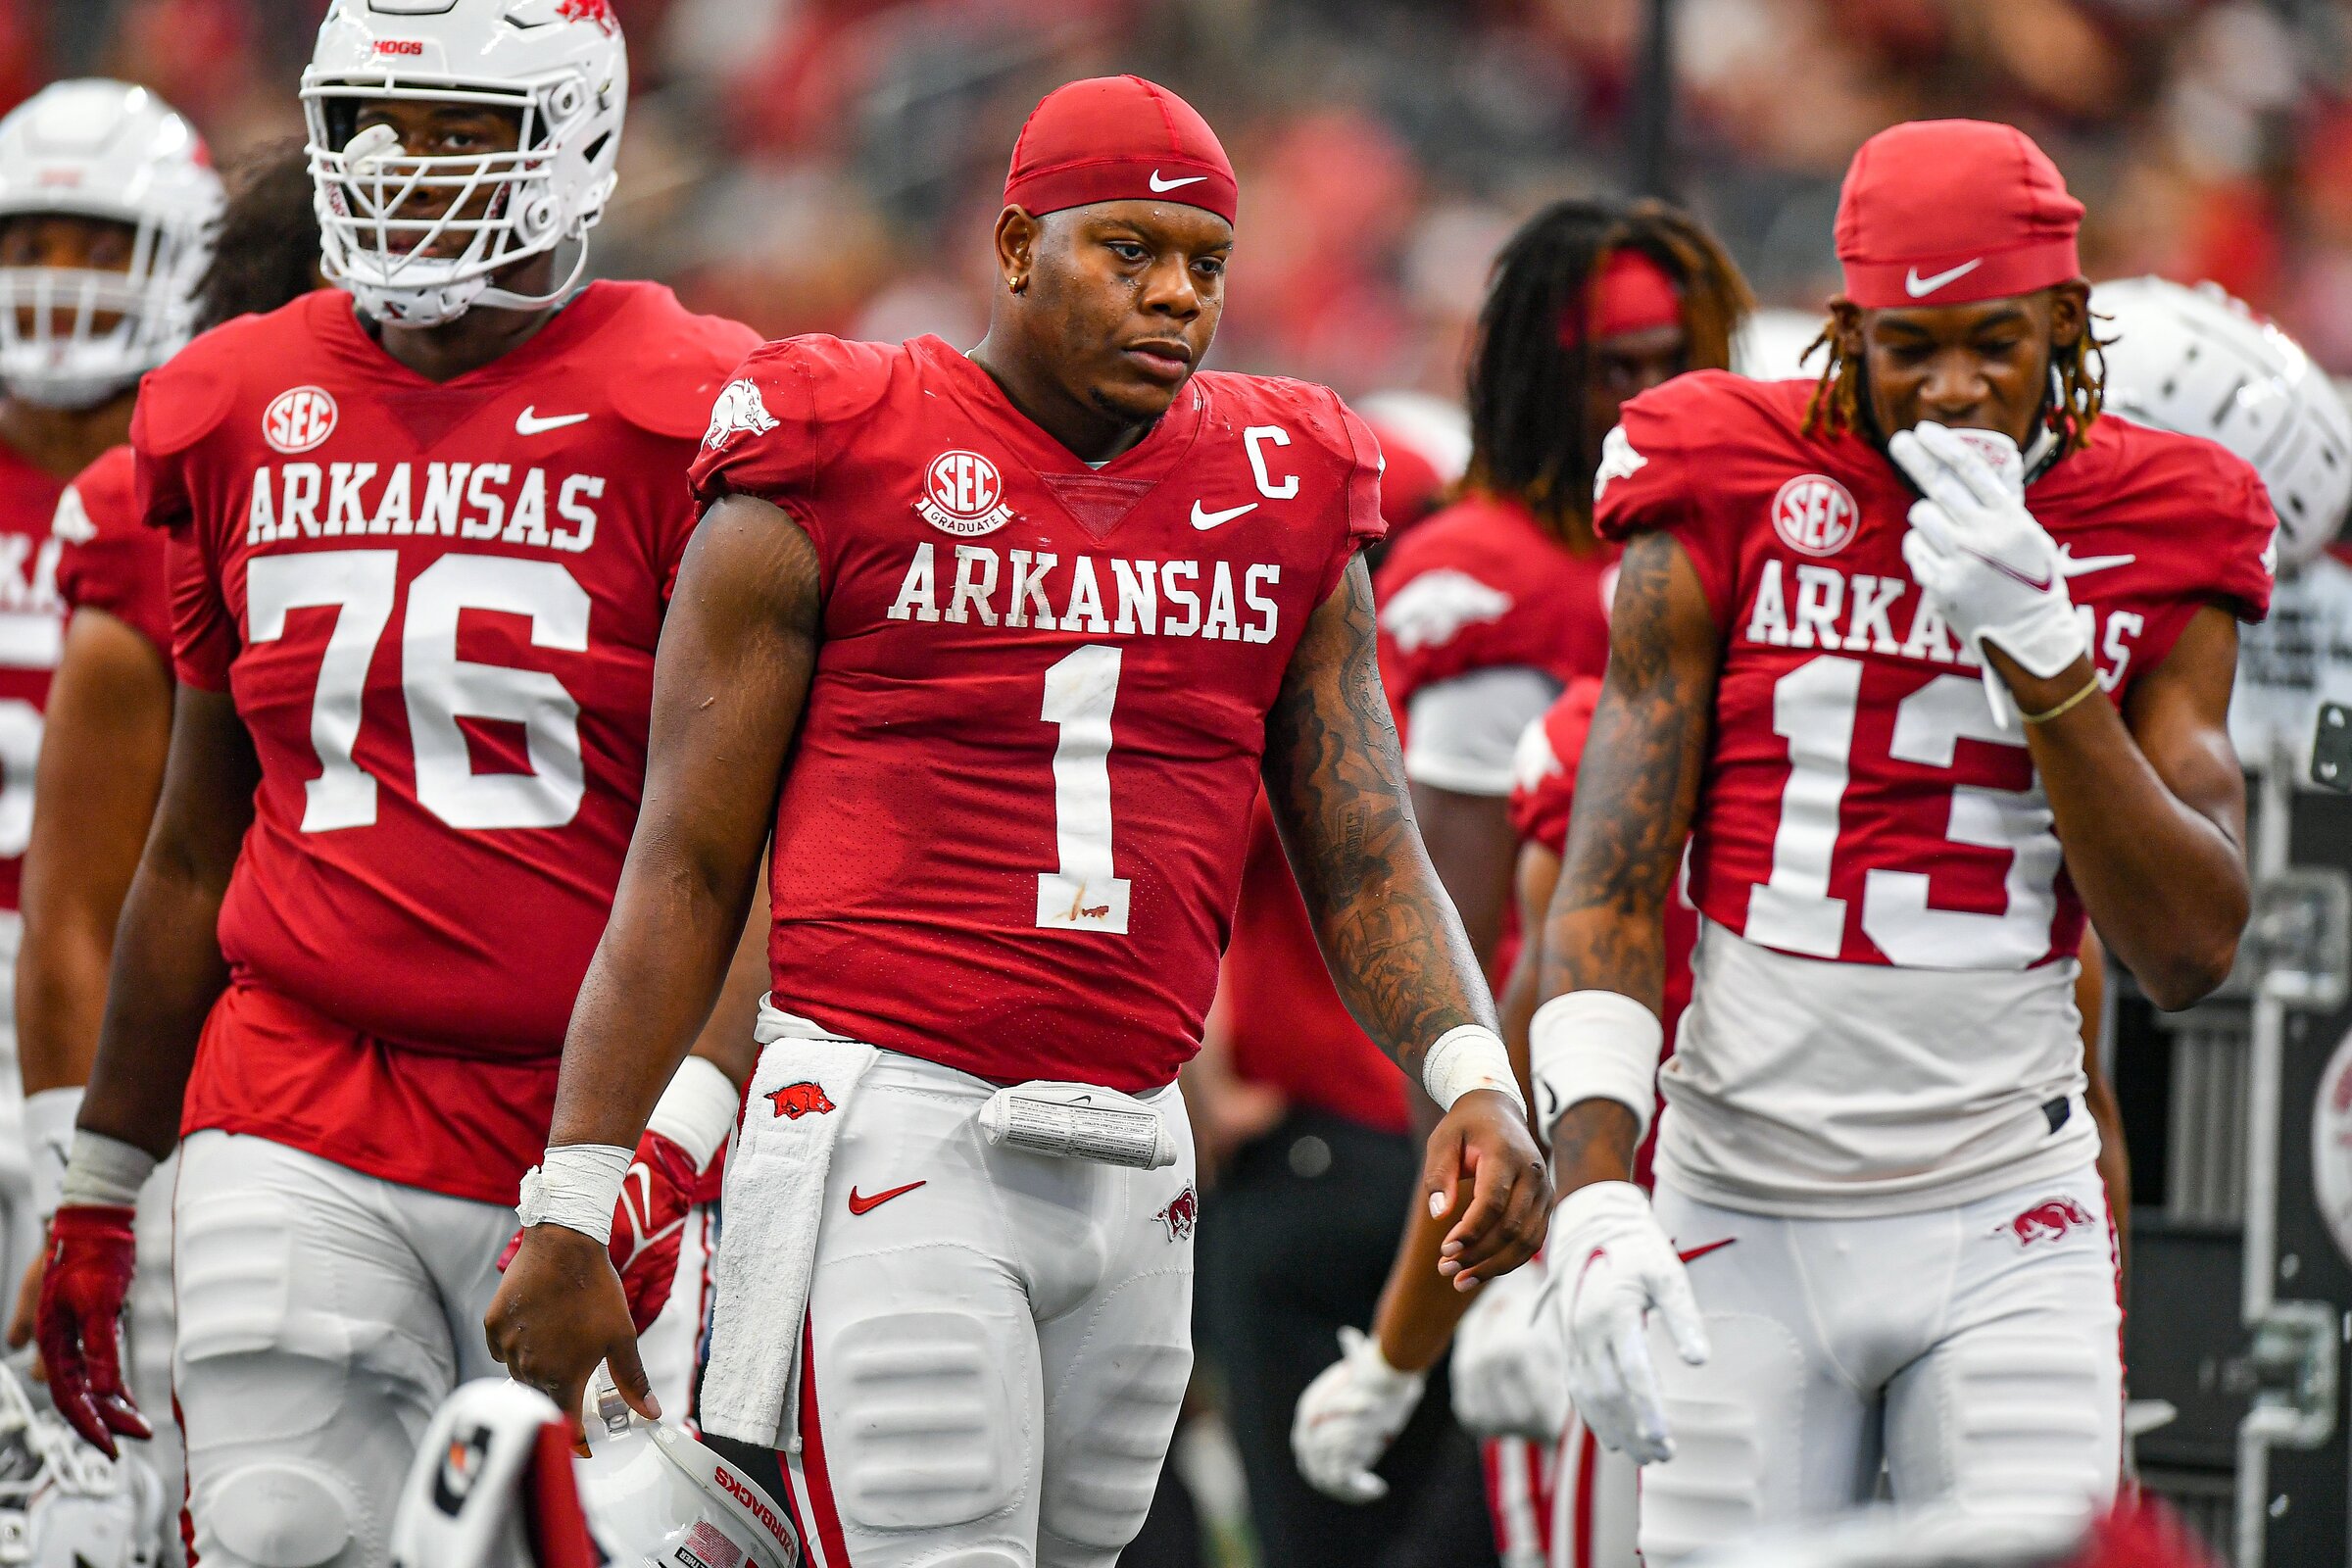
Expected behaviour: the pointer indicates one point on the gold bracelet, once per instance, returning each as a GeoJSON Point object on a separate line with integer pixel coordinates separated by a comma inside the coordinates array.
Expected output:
{"type": "Point", "coordinates": [2088, 686]}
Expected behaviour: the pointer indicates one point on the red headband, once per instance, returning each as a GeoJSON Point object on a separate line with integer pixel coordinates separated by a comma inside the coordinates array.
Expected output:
{"type": "Point", "coordinates": [1117, 138]}
{"type": "Point", "coordinates": [1630, 292]}
{"type": "Point", "coordinates": [1954, 212]}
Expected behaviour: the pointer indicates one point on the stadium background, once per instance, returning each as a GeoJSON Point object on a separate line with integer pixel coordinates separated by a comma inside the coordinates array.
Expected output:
{"type": "Point", "coordinates": [832, 165]}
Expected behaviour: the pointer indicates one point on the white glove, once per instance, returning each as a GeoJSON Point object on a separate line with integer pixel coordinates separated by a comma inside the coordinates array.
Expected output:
{"type": "Point", "coordinates": [1980, 557]}
{"type": "Point", "coordinates": [1348, 1416]}
{"type": "Point", "coordinates": [1610, 1264]}
{"type": "Point", "coordinates": [1510, 1366]}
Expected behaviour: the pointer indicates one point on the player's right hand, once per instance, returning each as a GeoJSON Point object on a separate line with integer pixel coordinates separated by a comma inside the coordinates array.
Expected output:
{"type": "Point", "coordinates": [91, 1255]}
{"type": "Point", "coordinates": [560, 1310]}
{"type": "Point", "coordinates": [1348, 1416]}
{"type": "Point", "coordinates": [1610, 1264]}
{"type": "Point", "coordinates": [1509, 1373]}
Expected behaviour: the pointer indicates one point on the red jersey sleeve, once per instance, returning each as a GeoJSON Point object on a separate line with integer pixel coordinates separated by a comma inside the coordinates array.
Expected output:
{"type": "Point", "coordinates": [178, 404]}
{"type": "Point", "coordinates": [1361, 522]}
{"type": "Point", "coordinates": [1643, 484]}
{"type": "Point", "coordinates": [688, 367]}
{"type": "Point", "coordinates": [107, 559]}
{"type": "Point", "coordinates": [2248, 563]}
{"type": "Point", "coordinates": [1545, 784]}
{"type": "Point", "coordinates": [778, 416]}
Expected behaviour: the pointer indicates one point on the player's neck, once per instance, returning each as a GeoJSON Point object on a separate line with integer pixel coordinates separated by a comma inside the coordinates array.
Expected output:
{"type": "Point", "coordinates": [62, 442]}
{"type": "Point", "coordinates": [1088, 431]}
{"type": "Point", "coordinates": [481, 336]}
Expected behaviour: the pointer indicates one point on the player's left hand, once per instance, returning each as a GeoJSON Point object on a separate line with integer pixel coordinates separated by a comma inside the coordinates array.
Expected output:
{"type": "Point", "coordinates": [558, 1312]}
{"type": "Point", "coordinates": [1348, 1416]}
{"type": "Point", "coordinates": [1988, 566]}
{"type": "Point", "coordinates": [1483, 1145]}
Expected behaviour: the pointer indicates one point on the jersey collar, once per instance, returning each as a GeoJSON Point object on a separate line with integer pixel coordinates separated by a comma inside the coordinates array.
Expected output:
{"type": "Point", "coordinates": [1147, 462]}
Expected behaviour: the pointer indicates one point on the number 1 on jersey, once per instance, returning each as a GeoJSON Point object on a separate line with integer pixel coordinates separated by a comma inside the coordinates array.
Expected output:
{"type": "Point", "coordinates": [1083, 895]}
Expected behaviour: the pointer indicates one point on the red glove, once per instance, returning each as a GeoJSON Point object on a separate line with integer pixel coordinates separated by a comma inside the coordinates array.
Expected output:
{"type": "Point", "coordinates": [91, 1256]}
{"type": "Point", "coordinates": [648, 1223]}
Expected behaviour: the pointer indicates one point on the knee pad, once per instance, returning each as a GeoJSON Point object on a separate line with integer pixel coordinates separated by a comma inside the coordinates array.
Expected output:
{"type": "Point", "coordinates": [924, 1425]}
{"type": "Point", "coordinates": [2033, 1421]}
{"type": "Point", "coordinates": [279, 1513]}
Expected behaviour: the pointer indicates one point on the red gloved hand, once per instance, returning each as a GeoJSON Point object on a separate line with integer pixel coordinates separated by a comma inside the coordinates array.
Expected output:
{"type": "Point", "coordinates": [92, 1254]}
{"type": "Point", "coordinates": [648, 1223]}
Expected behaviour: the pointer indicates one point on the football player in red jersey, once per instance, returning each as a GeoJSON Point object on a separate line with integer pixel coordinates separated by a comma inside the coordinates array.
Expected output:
{"type": "Point", "coordinates": [1495, 603]}
{"type": "Point", "coordinates": [107, 730]}
{"type": "Point", "coordinates": [1930, 663]}
{"type": "Point", "coordinates": [423, 528]}
{"type": "Point", "coordinates": [107, 198]}
{"type": "Point", "coordinates": [1015, 634]}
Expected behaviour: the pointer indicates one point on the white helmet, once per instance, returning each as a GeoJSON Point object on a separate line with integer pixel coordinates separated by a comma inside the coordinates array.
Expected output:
{"type": "Point", "coordinates": [655, 1497]}
{"type": "Point", "coordinates": [495, 1486]}
{"type": "Point", "coordinates": [64, 1504]}
{"type": "Point", "coordinates": [2198, 362]}
{"type": "Point", "coordinates": [1772, 344]}
{"type": "Point", "coordinates": [559, 65]}
{"type": "Point", "coordinates": [105, 150]}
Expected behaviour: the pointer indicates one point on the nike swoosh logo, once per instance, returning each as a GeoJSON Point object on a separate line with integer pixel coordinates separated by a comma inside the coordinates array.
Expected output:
{"type": "Point", "coordinates": [2040, 585]}
{"type": "Point", "coordinates": [1159, 185]}
{"type": "Point", "coordinates": [1919, 288]}
{"type": "Point", "coordinates": [1205, 520]}
{"type": "Point", "coordinates": [2071, 567]}
{"type": "Point", "coordinates": [1697, 1252]}
{"type": "Point", "coordinates": [526, 423]}
{"type": "Point", "coordinates": [863, 1205]}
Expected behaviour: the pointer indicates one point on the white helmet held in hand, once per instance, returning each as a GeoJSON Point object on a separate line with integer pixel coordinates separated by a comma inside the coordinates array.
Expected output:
{"type": "Point", "coordinates": [2198, 362]}
{"type": "Point", "coordinates": [71, 338]}
{"type": "Point", "coordinates": [418, 240]}
{"type": "Point", "coordinates": [64, 1504]}
{"type": "Point", "coordinates": [656, 1496]}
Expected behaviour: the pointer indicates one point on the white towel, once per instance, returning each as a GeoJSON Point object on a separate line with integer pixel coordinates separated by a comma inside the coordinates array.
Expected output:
{"type": "Point", "coordinates": [772, 1205]}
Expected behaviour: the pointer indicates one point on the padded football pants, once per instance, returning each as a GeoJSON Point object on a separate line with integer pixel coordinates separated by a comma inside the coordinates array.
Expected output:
{"type": "Point", "coordinates": [1974, 1349]}
{"type": "Point", "coordinates": [997, 1342]}
{"type": "Point", "coordinates": [323, 1316]}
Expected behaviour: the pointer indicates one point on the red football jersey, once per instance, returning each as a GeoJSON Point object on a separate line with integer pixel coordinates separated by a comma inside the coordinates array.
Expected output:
{"type": "Point", "coordinates": [107, 558]}
{"type": "Point", "coordinates": [1482, 584]}
{"type": "Point", "coordinates": [33, 628]}
{"type": "Point", "coordinates": [1013, 824]}
{"type": "Point", "coordinates": [436, 607]}
{"type": "Point", "coordinates": [1861, 803]}
{"type": "Point", "coordinates": [1288, 1027]}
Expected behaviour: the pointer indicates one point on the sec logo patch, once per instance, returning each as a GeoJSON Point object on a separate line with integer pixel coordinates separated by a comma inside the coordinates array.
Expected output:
{"type": "Point", "coordinates": [1815, 514]}
{"type": "Point", "coordinates": [963, 495]}
{"type": "Point", "coordinates": [299, 419]}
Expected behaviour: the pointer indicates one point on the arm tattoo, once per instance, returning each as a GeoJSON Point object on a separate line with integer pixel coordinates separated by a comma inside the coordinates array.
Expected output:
{"type": "Point", "coordinates": [1636, 787]}
{"type": "Point", "coordinates": [1335, 781]}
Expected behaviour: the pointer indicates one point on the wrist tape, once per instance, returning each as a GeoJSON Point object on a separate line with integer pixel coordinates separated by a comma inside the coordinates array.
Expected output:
{"type": "Point", "coordinates": [1595, 1044]}
{"type": "Point", "coordinates": [575, 1186]}
{"type": "Point", "coordinates": [1469, 1056]}
{"type": "Point", "coordinates": [49, 1117]}
{"type": "Point", "coordinates": [697, 1110]}
{"type": "Point", "coordinates": [105, 1172]}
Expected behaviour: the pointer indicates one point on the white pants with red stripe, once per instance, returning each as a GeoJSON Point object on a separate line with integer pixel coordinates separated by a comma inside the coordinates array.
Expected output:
{"type": "Point", "coordinates": [997, 1342]}
{"type": "Point", "coordinates": [1973, 1349]}
{"type": "Point", "coordinates": [324, 1317]}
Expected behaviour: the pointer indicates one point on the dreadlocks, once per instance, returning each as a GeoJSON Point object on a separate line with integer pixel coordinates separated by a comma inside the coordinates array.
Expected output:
{"type": "Point", "coordinates": [268, 249]}
{"type": "Point", "coordinates": [1527, 389]}
{"type": "Point", "coordinates": [1835, 406]}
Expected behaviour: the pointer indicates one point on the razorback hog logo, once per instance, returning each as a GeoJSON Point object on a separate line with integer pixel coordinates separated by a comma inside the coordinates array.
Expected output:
{"type": "Point", "coordinates": [599, 12]}
{"type": "Point", "coordinates": [1181, 1216]}
{"type": "Point", "coordinates": [738, 411]}
{"type": "Point", "coordinates": [795, 1101]}
{"type": "Point", "coordinates": [2048, 1221]}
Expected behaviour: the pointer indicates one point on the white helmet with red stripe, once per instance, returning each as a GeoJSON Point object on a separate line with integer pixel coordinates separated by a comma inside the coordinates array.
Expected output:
{"type": "Point", "coordinates": [656, 1495]}
{"type": "Point", "coordinates": [73, 336]}
{"type": "Point", "coordinates": [389, 221]}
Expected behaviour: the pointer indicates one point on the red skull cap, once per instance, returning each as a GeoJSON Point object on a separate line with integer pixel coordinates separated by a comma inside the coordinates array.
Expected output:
{"type": "Point", "coordinates": [1954, 212]}
{"type": "Point", "coordinates": [1117, 138]}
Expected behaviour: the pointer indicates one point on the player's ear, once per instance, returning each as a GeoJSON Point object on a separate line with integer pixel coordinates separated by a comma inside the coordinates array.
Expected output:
{"type": "Point", "coordinates": [1017, 235]}
{"type": "Point", "coordinates": [2069, 312]}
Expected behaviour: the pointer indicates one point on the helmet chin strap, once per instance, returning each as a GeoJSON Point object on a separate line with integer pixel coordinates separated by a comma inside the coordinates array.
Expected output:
{"type": "Point", "coordinates": [441, 305]}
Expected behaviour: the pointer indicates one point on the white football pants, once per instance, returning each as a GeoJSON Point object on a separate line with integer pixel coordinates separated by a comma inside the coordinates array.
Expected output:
{"type": "Point", "coordinates": [324, 1317]}
{"type": "Point", "coordinates": [1594, 1492]}
{"type": "Point", "coordinates": [1973, 1349]}
{"type": "Point", "coordinates": [997, 1342]}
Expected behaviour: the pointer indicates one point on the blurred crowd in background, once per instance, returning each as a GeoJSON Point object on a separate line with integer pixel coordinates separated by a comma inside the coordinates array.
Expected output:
{"type": "Point", "coordinates": [830, 164]}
